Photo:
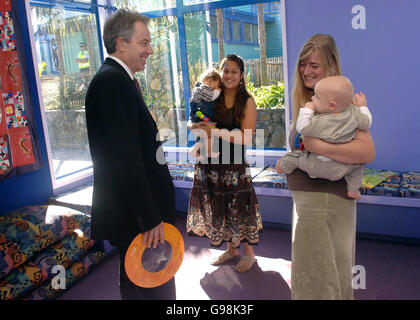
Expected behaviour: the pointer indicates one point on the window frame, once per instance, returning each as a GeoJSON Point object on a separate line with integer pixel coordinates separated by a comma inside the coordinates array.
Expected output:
{"type": "Point", "coordinates": [101, 9]}
{"type": "Point", "coordinates": [179, 12]}
{"type": "Point", "coordinates": [84, 175]}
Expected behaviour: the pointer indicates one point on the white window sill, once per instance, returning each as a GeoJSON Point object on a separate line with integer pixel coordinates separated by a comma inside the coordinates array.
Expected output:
{"type": "Point", "coordinates": [250, 152]}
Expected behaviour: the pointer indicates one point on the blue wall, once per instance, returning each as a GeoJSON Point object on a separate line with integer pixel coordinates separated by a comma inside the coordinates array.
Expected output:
{"type": "Point", "coordinates": [35, 187]}
{"type": "Point", "coordinates": [274, 38]}
{"type": "Point", "coordinates": [381, 61]}
{"type": "Point", "coordinates": [245, 51]}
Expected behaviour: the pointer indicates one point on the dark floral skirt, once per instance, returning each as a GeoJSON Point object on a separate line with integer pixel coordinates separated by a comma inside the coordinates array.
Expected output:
{"type": "Point", "coordinates": [223, 205]}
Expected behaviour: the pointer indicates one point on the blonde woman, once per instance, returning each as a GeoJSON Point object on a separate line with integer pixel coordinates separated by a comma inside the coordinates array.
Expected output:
{"type": "Point", "coordinates": [324, 218]}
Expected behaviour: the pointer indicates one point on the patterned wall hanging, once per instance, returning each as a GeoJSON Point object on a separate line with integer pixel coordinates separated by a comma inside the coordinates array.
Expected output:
{"type": "Point", "coordinates": [16, 133]}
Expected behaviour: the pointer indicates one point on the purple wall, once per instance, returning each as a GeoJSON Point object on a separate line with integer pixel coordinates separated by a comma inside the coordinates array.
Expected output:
{"type": "Point", "coordinates": [381, 60]}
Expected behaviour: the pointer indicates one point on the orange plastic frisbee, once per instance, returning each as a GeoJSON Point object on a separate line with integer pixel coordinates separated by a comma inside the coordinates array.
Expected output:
{"type": "Point", "coordinates": [153, 267]}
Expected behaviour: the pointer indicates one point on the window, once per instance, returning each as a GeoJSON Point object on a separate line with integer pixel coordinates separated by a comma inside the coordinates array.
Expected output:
{"type": "Point", "coordinates": [163, 91]}
{"type": "Point", "coordinates": [196, 42]}
{"type": "Point", "coordinates": [247, 32]}
{"type": "Point", "coordinates": [241, 37]}
{"type": "Point", "coordinates": [145, 5]}
{"type": "Point", "coordinates": [185, 42]}
{"type": "Point", "coordinates": [250, 32]}
{"type": "Point", "coordinates": [228, 30]}
{"type": "Point", "coordinates": [236, 30]}
{"type": "Point", "coordinates": [62, 36]}
{"type": "Point", "coordinates": [190, 2]}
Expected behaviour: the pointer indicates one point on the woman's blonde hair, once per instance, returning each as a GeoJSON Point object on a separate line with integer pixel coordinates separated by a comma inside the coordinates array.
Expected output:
{"type": "Point", "coordinates": [326, 49]}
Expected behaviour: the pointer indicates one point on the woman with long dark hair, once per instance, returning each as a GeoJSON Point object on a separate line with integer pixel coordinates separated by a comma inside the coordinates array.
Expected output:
{"type": "Point", "coordinates": [223, 205]}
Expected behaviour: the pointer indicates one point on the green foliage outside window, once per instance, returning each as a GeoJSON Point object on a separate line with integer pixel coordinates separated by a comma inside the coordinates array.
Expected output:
{"type": "Point", "coordinates": [268, 96]}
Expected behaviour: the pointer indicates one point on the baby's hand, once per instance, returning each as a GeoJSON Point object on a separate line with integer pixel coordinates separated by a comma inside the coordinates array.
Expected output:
{"type": "Point", "coordinates": [310, 105]}
{"type": "Point", "coordinates": [359, 100]}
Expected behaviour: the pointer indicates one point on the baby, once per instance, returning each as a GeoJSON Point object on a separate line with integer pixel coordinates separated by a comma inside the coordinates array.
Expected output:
{"type": "Point", "coordinates": [336, 121]}
{"type": "Point", "coordinates": [205, 92]}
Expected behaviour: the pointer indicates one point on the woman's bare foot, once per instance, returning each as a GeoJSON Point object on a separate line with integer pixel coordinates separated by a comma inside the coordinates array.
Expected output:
{"type": "Point", "coordinates": [247, 260]}
{"type": "Point", "coordinates": [228, 255]}
{"type": "Point", "coordinates": [245, 263]}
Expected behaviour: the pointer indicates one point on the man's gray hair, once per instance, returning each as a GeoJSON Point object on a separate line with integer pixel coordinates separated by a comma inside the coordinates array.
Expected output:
{"type": "Point", "coordinates": [121, 23]}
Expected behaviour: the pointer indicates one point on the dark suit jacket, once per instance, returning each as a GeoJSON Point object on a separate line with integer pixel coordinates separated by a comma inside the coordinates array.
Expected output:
{"type": "Point", "coordinates": [132, 192]}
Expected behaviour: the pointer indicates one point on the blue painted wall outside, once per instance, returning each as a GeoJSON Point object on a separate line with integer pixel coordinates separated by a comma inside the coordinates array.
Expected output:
{"type": "Point", "coordinates": [245, 51]}
{"type": "Point", "coordinates": [274, 38]}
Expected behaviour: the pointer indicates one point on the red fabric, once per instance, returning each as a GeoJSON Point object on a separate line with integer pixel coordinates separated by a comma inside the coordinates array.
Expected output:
{"type": "Point", "coordinates": [10, 72]}
{"type": "Point", "coordinates": [3, 126]}
{"type": "Point", "coordinates": [14, 130]}
{"type": "Point", "coordinates": [5, 5]}
{"type": "Point", "coordinates": [21, 146]}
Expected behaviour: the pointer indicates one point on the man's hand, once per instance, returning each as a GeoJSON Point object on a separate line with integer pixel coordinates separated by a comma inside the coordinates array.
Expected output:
{"type": "Point", "coordinates": [359, 100]}
{"type": "Point", "coordinates": [152, 237]}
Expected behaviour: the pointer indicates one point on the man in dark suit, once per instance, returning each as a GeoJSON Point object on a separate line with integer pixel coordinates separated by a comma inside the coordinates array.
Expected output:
{"type": "Point", "coordinates": [132, 193]}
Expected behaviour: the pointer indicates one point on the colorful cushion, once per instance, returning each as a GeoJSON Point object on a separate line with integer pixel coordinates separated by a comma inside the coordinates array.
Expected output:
{"type": "Point", "coordinates": [28, 230]}
{"type": "Point", "coordinates": [21, 281]}
{"type": "Point", "coordinates": [73, 273]}
{"type": "Point", "coordinates": [269, 178]}
{"type": "Point", "coordinates": [410, 184]}
{"type": "Point", "coordinates": [181, 170]}
{"type": "Point", "coordinates": [401, 184]}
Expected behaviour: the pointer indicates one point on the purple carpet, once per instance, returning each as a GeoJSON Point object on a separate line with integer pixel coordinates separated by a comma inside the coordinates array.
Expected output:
{"type": "Point", "coordinates": [392, 272]}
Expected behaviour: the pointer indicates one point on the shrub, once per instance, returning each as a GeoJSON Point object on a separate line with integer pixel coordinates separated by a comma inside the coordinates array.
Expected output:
{"type": "Point", "coordinates": [268, 96]}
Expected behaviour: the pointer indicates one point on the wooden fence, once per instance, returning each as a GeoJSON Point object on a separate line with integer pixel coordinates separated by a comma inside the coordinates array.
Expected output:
{"type": "Point", "coordinates": [274, 70]}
